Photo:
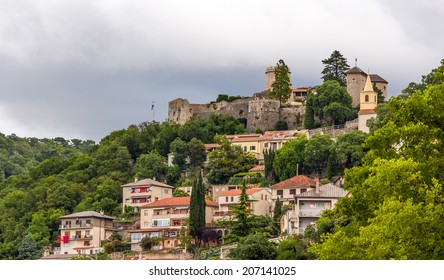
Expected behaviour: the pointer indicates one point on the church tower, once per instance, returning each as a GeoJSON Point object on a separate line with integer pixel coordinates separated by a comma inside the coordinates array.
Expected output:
{"type": "Point", "coordinates": [368, 100]}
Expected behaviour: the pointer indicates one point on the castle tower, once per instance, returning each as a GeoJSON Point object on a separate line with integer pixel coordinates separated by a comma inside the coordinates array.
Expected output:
{"type": "Point", "coordinates": [270, 77]}
{"type": "Point", "coordinates": [368, 102]}
{"type": "Point", "coordinates": [356, 79]}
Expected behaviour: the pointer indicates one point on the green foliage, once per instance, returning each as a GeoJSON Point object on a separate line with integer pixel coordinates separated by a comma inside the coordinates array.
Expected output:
{"type": "Point", "coordinates": [281, 125]}
{"type": "Point", "coordinates": [309, 118]}
{"type": "Point", "coordinates": [289, 157]}
{"type": "Point", "coordinates": [435, 77]}
{"type": "Point", "coordinates": [254, 247]}
{"type": "Point", "coordinates": [270, 175]}
{"type": "Point", "coordinates": [179, 193]}
{"type": "Point", "coordinates": [240, 226]}
{"type": "Point", "coordinates": [317, 152]}
{"type": "Point", "coordinates": [293, 248]}
{"type": "Point", "coordinates": [227, 160]}
{"type": "Point", "coordinates": [151, 165]}
{"type": "Point", "coordinates": [28, 250]}
{"type": "Point", "coordinates": [226, 97]}
{"type": "Point", "coordinates": [173, 175]}
{"type": "Point", "coordinates": [197, 207]}
{"type": "Point", "coordinates": [335, 68]}
{"type": "Point", "coordinates": [396, 197]}
{"type": "Point", "coordinates": [277, 215]}
{"type": "Point", "coordinates": [281, 88]}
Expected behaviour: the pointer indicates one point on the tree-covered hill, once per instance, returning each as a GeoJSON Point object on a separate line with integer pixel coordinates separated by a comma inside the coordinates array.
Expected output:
{"type": "Point", "coordinates": [43, 179]}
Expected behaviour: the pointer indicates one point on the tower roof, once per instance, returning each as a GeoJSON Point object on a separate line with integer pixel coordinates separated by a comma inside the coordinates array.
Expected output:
{"type": "Point", "coordinates": [368, 84]}
{"type": "Point", "coordinates": [355, 70]}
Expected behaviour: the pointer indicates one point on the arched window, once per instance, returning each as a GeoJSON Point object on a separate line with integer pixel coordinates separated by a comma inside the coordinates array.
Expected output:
{"type": "Point", "coordinates": [366, 98]}
{"type": "Point", "coordinates": [374, 98]}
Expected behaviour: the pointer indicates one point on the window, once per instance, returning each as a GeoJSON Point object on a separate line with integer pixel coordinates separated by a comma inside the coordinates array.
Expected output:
{"type": "Point", "coordinates": [292, 191]}
{"type": "Point", "coordinates": [266, 145]}
{"type": "Point", "coordinates": [145, 212]}
{"type": "Point", "coordinates": [252, 148]}
{"type": "Point", "coordinates": [232, 199]}
{"type": "Point", "coordinates": [226, 199]}
{"type": "Point", "coordinates": [166, 191]}
{"type": "Point", "coordinates": [265, 197]}
{"type": "Point", "coordinates": [87, 233]}
{"type": "Point", "coordinates": [262, 196]}
{"type": "Point", "coordinates": [366, 98]}
{"type": "Point", "coordinates": [88, 222]}
{"type": "Point", "coordinates": [303, 190]}
{"type": "Point", "coordinates": [245, 148]}
{"type": "Point", "coordinates": [137, 236]}
{"type": "Point", "coordinates": [280, 192]}
{"type": "Point", "coordinates": [374, 98]}
{"type": "Point", "coordinates": [161, 223]}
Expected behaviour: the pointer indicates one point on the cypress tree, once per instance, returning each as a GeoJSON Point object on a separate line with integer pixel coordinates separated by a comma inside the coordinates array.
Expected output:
{"type": "Point", "coordinates": [309, 121]}
{"type": "Point", "coordinates": [197, 207]}
{"type": "Point", "coordinates": [241, 225]}
{"type": "Point", "coordinates": [277, 214]}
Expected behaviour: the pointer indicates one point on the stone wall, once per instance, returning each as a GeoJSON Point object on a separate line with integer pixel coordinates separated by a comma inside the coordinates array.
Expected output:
{"type": "Point", "coordinates": [259, 113]}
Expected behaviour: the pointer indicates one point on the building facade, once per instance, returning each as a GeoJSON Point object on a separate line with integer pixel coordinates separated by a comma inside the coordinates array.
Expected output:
{"type": "Point", "coordinates": [287, 190]}
{"type": "Point", "coordinates": [356, 80]}
{"type": "Point", "coordinates": [83, 232]}
{"type": "Point", "coordinates": [144, 191]}
{"type": "Point", "coordinates": [165, 218]}
{"type": "Point", "coordinates": [368, 102]}
{"type": "Point", "coordinates": [309, 207]}
{"type": "Point", "coordinates": [259, 202]}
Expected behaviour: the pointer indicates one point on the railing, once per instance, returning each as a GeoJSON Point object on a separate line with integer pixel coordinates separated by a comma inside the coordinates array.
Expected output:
{"type": "Point", "coordinates": [283, 196]}
{"type": "Point", "coordinates": [310, 212]}
{"type": "Point", "coordinates": [79, 237]}
{"type": "Point", "coordinates": [222, 213]}
{"type": "Point", "coordinates": [75, 226]}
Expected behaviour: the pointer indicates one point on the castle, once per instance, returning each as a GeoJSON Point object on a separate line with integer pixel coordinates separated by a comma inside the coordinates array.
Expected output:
{"type": "Point", "coordinates": [263, 113]}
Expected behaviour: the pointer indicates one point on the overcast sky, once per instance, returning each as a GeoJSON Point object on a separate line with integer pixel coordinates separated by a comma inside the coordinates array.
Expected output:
{"type": "Point", "coordinates": [84, 68]}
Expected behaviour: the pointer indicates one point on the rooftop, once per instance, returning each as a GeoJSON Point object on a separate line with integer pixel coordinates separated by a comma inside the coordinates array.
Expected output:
{"type": "Point", "coordinates": [296, 181]}
{"type": "Point", "coordinates": [175, 201]}
{"type": "Point", "coordinates": [238, 192]}
{"type": "Point", "coordinates": [87, 214]}
{"type": "Point", "coordinates": [147, 182]}
{"type": "Point", "coordinates": [328, 190]}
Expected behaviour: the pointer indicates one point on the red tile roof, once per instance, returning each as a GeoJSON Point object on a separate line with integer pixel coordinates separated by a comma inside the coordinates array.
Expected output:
{"type": "Point", "coordinates": [175, 201]}
{"type": "Point", "coordinates": [238, 191]}
{"type": "Point", "coordinates": [366, 111]}
{"type": "Point", "coordinates": [249, 139]}
{"type": "Point", "coordinates": [257, 168]}
{"type": "Point", "coordinates": [296, 181]}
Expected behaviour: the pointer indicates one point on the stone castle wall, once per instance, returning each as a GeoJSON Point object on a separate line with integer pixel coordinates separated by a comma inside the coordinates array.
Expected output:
{"type": "Point", "coordinates": [262, 113]}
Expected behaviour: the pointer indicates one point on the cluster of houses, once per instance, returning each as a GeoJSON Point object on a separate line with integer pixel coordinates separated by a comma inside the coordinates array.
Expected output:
{"type": "Point", "coordinates": [162, 215]}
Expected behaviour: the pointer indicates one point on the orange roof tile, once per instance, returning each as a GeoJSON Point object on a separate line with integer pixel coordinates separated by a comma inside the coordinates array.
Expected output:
{"type": "Point", "coordinates": [366, 111]}
{"type": "Point", "coordinates": [296, 181]}
{"type": "Point", "coordinates": [175, 201]}
{"type": "Point", "coordinates": [238, 191]}
{"type": "Point", "coordinates": [257, 168]}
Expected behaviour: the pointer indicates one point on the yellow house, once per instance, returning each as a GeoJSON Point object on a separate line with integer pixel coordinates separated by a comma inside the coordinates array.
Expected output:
{"type": "Point", "coordinates": [83, 232]}
{"type": "Point", "coordinates": [259, 202]}
{"type": "Point", "coordinates": [165, 218]}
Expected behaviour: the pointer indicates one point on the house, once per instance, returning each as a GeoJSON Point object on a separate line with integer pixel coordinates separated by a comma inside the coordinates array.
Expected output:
{"type": "Point", "coordinates": [165, 218]}
{"type": "Point", "coordinates": [83, 232]}
{"type": "Point", "coordinates": [287, 190]}
{"type": "Point", "coordinates": [144, 191]}
{"type": "Point", "coordinates": [309, 207]}
{"type": "Point", "coordinates": [259, 202]}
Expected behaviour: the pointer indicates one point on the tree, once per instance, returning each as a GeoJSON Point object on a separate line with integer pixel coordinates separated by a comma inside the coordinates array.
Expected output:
{"type": "Point", "coordinates": [289, 157]}
{"type": "Point", "coordinates": [335, 67]}
{"type": "Point", "coordinates": [179, 148]}
{"type": "Point", "coordinates": [281, 125]}
{"type": "Point", "coordinates": [309, 120]}
{"type": "Point", "coordinates": [293, 248]}
{"type": "Point", "coordinates": [350, 149]}
{"type": "Point", "coordinates": [281, 88]}
{"type": "Point", "coordinates": [196, 153]}
{"type": "Point", "coordinates": [197, 207]}
{"type": "Point", "coordinates": [277, 215]}
{"type": "Point", "coordinates": [227, 160]}
{"type": "Point", "coordinates": [270, 175]}
{"type": "Point", "coordinates": [146, 243]}
{"type": "Point", "coordinates": [317, 152]}
{"type": "Point", "coordinates": [396, 195]}
{"type": "Point", "coordinates": [28, 250]}
{"type": "Point", "coordinates": [151, 165]}
{"type": "Point", "coordinates": [240, 225]}
{"type": "Point", "coordinates": [254, 247]}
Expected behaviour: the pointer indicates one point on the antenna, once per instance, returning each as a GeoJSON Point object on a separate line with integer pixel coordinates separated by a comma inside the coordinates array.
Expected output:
{"type": "Point", "coordinates": [356, 61]}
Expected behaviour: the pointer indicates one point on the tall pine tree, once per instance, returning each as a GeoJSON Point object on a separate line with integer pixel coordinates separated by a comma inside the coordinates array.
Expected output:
{"type": "Point", "coordinates": [241, 226]}
{"type": "Point", "coordinates": [335, 67]}
{"type": "Point", "coordinates": [197, 207]}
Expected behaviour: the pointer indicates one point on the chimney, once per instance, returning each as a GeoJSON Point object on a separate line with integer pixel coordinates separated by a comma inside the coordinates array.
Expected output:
{"type": "Point", "coordinates": [317, 191]}
{"type": "Point", "coordinates": [136, 179]}
{"type": "Point", "coordinates": [154, 178]}
{"type": "Point", "coordinates": [101, 212]}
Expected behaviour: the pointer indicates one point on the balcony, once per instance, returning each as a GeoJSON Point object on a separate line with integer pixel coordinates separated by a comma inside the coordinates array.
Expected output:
{"type": "Point", "coordinates": [75, 226]}
{"type": "Point", "coordinates": [310, 212]}
{"type": "Point", "coordinates": [283, 196]}
{"type": "Point", "coordinates": [81, 237]}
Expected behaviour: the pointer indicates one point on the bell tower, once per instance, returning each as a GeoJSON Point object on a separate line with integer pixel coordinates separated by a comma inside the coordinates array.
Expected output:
{"type": "Point", "coordinates": [368, 100]}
